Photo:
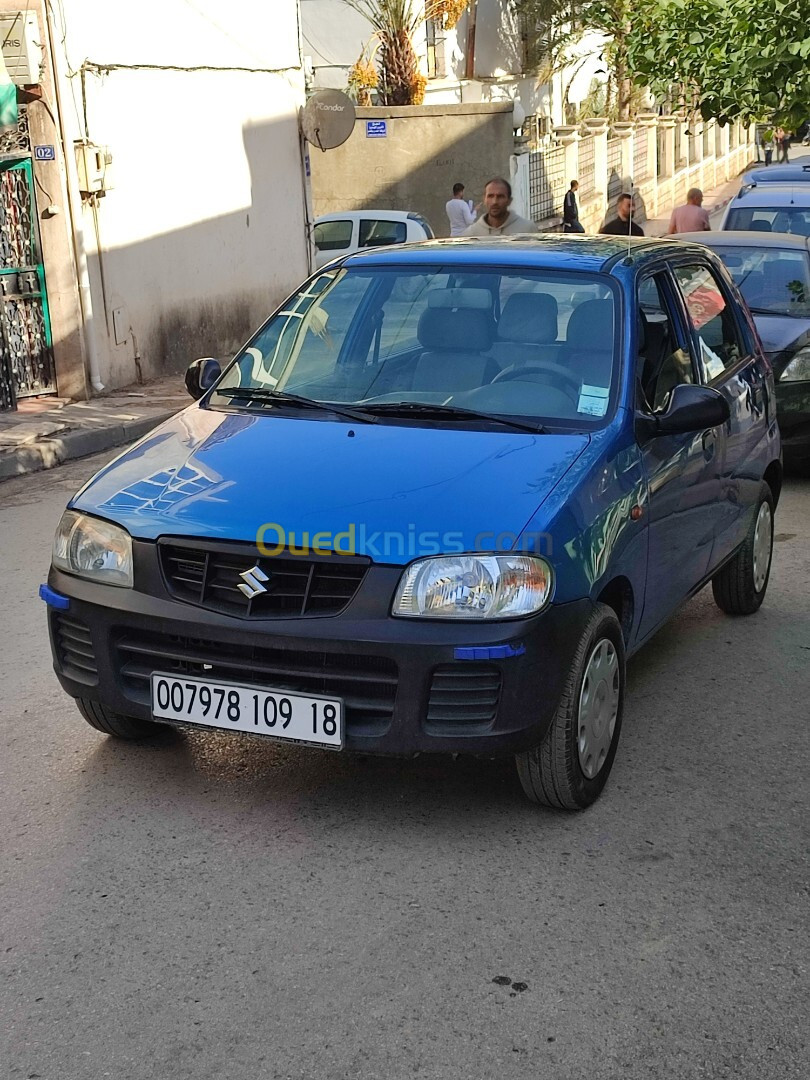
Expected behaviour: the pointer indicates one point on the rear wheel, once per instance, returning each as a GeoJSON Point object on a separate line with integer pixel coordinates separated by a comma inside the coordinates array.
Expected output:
{"type": "Point", "coordinates": [571, 766]}
{"type": "Point", "coordinates": [116, 724]}
{"type": "Point", "coordinates": [739, 587]}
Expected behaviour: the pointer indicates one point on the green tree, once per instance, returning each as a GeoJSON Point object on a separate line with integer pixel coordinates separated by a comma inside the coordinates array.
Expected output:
{"type": "Point", "coordinates": [731, 59]}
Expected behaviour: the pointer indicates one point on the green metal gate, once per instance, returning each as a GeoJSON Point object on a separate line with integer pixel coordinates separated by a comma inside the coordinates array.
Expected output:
{"type": "Point", "coordinates": [26, 352]}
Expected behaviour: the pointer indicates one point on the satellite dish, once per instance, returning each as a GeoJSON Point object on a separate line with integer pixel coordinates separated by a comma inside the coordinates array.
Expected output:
{"type": "Point", "coordinates": [328, 119]}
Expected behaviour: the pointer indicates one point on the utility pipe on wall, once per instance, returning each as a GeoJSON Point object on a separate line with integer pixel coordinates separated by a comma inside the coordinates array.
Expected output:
{"type": "Point", "coordinates": [77, 229]}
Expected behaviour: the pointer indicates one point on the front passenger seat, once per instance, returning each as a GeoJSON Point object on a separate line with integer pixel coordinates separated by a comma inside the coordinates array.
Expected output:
{"type": "Point", "coordinates": [455, 338]}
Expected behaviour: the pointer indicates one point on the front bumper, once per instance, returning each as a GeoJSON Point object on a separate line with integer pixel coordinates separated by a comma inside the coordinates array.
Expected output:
{"type": "Point", "coordinates": [409, 685]}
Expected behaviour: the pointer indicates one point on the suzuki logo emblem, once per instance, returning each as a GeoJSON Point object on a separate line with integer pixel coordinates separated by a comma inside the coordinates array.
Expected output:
{"type": "Point", "coordinates": [253, 579]}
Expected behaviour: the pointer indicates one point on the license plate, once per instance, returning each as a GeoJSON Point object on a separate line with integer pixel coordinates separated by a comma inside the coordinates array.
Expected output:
{"type": "Point", "coordinates": [231, 707]}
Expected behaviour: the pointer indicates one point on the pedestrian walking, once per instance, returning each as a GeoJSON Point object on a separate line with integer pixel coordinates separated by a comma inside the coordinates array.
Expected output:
{"type": "Point", "coordinates": [460, 213]}
{"type": "Point", "coordinates": [691, 217]}
{"type": "Point", "coordinates": [768, 142]}
{"type": "Point", "coordinates": [783, 139]}
{"type": "Point", "coordinates": [498, 219]}
{"type": "Point", "coordinates": [571, 222]}
{"type": "Point", "coordinates": [623, 224]}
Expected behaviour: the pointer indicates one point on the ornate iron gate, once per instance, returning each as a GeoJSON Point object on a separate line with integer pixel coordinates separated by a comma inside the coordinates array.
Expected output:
{"type": "Point", "coordinates": [26, 353]}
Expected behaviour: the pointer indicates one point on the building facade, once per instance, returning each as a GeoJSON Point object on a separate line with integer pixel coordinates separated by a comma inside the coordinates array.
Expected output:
{"type": "Point", "coordinates": [334, 35]}
{"type": "Point", "coordinates": [159, 154]}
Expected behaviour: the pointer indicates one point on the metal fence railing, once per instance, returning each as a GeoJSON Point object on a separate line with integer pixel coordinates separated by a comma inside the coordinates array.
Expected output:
{"type": "Point", "coordinates": [546, 182]}
{"type": "Point", "coordinates": [587, 167]}
{"type": "Point", "coordinates": [706, 136]}
{"type": "Point", "coordinates": [641, 165]}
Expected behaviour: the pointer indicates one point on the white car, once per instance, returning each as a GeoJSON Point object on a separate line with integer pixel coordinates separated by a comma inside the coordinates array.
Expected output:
{"type": "Point", "coordinates": [354, 230]}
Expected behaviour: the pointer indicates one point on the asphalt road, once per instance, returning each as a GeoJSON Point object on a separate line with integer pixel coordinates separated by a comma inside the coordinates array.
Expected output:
{"type": "Point", "coordinates": [206, 907]}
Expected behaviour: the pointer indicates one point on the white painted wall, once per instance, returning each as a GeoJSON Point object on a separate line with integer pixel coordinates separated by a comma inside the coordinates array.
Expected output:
{"type": "Point", "coordinates": [204, 228]}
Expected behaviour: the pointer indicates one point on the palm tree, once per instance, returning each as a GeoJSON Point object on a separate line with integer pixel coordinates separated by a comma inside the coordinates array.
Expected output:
{"type": "Point", "coordinates": [394, 23]}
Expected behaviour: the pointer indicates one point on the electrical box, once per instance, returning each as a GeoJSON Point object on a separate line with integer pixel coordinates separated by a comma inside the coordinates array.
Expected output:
{"type": "Point", "coordinates": [22, 46]}
{"type": "Point", "coordinates": [93, 165]}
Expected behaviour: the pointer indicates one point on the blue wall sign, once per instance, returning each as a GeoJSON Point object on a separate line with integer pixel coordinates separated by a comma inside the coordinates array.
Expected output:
{"type": "Point", "coordinates": [44, 153]}
{"type": "Point", "coordinates": [376, 129]}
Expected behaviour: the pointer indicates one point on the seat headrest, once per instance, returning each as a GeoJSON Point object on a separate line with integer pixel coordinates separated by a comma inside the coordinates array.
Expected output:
{"type": "Point", "coordinates": [529, 318]}
{"type": "Point", "coordinates": [459, 329]}
{"type": "Point", "coordinates": [760, 226]}
{"type": "Point", "coordinates": [479, 299]}
{"type": "Point", "coordinates": [590, 326]}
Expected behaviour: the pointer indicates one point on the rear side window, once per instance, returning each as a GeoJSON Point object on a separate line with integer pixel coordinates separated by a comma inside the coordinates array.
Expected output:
{"type": "Point", "coordinates": [719, 345]}
{"type": "Point", "coordinates": [375, 232]}
{"type": "Point", "coordinates": [332, 235]}
{"type": "Point", "coordinates": [778, 219]}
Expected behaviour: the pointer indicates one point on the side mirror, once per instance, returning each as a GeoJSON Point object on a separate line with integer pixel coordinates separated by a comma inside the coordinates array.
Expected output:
{"type": "Point", "coordinates": [690, 408]}
{"type": "Point", "coordinates": [201, 376]}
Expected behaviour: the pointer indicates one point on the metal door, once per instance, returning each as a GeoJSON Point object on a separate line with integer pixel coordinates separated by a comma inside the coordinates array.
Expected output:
{"type": "Point", "coordinates": [26, 353]}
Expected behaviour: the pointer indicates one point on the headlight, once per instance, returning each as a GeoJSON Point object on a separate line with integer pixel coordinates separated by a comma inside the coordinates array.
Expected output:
{"type": "Point", "coordinates": [93, 549]}
{"type": "Point", "coordinates": [798, 370]}
{"type": "Point", "coordinates": [474, 587]}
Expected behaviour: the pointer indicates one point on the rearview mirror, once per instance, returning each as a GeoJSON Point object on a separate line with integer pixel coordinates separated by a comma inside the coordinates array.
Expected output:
{"type": "Point", "coordinates": [201, 376]}
{"type": "Point", "coordinates": [690, 408]}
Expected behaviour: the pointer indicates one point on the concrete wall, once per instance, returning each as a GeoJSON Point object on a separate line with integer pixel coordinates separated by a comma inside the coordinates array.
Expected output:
{"type": "Point", "coordinates": [428, 149]}
{"type": "Point", "coordinates": [203, 230]}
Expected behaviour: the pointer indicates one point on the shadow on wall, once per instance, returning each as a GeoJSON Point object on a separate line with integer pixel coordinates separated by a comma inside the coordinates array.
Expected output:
{"type": "Point", "coordinates": [415, 166]}
{"type": "Point", "coordinates": [202, 289]}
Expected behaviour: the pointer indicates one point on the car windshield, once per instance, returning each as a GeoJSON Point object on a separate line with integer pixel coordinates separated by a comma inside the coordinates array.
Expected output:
{"type": "Point", "coordinates": [513, 343]}
{"type": "Point", "coordinates": [778, 219]}
{"type": "Point", "coordinates": [771, 279]}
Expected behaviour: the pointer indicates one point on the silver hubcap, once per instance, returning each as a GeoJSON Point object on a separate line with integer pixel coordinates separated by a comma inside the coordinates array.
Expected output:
{"type": "Point", "coordinates": [598, 707]}
{"type": "Point", "coordinates": [763, 532]}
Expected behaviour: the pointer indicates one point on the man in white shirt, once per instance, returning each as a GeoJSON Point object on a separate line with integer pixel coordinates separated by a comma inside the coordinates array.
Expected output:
{"type": "Point", "coordinates": [459, 212]}
{"type": "Point", "coordinates": [499, 220]}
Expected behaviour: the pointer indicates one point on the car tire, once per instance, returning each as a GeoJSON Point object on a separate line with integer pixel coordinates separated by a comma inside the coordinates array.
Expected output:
{"type": "Point", "coordinates": [570, 767]}
{"type": "Point", "coordinates": [116, 724]}
{"type": "Point", "coordinates": [739, 587]}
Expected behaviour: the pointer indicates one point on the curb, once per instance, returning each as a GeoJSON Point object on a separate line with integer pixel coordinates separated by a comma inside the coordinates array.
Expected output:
{"type": "Point", "coordinates": [48, 453]}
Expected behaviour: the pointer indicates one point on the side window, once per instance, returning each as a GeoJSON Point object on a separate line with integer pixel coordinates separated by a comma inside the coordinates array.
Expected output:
{"type": "Point", "coordinates": [332, 235]}
{"type": "Point", "coordinates": [378, 233]}
{"type": "Point", "coordinates": [662, 363]}
{"type": "Point", "coordinates": [712, 320]}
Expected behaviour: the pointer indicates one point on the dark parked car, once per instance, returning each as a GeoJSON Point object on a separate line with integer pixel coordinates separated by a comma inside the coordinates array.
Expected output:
{"type": "Point", "coordinates": [772, 271]}
{"type": "Point", "coordinates": [432, 506]}
{"type": "Point", "coordinates": [777, 174]}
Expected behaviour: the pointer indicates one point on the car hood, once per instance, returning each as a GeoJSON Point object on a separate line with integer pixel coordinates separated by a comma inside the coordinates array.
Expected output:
{"type": "Point", "coordinates": [207, 473]}
{"type": "Point", "coordinates": [782, 336]}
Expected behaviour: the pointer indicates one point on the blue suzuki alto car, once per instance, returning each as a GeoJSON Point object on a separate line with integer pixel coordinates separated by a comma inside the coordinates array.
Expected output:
{"type": "Point", "coordinates": [432, 506]}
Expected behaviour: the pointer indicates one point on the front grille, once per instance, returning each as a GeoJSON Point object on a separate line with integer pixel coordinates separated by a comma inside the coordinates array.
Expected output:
{"type": "Point", "coordinates": [295, 585]}
{"type": "Point", "coordinates": [74, 648]}
{"type": "Point", "coordinates": [463, 696]}
{"type": "Point", "coordinates": [366, 684]}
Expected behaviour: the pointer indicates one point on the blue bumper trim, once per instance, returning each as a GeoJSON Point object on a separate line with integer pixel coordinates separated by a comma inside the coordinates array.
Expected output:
{"type": "Point", "coordinates": [488, 652]}
{"type": "Point", "coordinates": [54, 599]}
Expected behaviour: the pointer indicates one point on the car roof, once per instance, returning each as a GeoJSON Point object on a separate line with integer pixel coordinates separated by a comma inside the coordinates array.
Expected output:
{"type": "Point", "coordinates": [773, 195]}
{"type": "Point", "coordinates": [744, 238]}
{"type": "Point", "coordinates": [390, 215]}
{"type": "Point", "coordinates": [592, 254]}
{"type": "Point", "coordinates": [778, 174]}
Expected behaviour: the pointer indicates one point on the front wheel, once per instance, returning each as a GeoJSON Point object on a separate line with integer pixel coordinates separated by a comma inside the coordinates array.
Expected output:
{"type": "Point", "coordinates": [571, 766]}
{"type": "Point", "coordinates": [739, 586]}
{"type": "Point", "coordinates": [116, 724]}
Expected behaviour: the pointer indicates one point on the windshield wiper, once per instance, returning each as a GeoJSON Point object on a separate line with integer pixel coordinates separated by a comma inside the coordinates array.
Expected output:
{"type": "Point", "coordinates": [281, 397]}
{"type": "Point", "coordinates": [450, 412]}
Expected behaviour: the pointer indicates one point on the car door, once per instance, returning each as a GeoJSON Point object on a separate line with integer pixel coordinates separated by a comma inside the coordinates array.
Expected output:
{"type": "Point", "coordinates": [729, 361]}
{"type": "Point", "coordinates": [682, 471]}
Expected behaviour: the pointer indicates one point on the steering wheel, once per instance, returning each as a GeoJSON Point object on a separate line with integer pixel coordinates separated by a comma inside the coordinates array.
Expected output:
{"type": "Point", "coordinates": [554, 372]}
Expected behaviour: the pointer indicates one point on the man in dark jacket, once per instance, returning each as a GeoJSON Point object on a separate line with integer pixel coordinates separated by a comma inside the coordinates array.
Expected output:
{"type": "Point", "coordinates": [571, 222]}
{"type": "Point", "coordinates": [623, 224]}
